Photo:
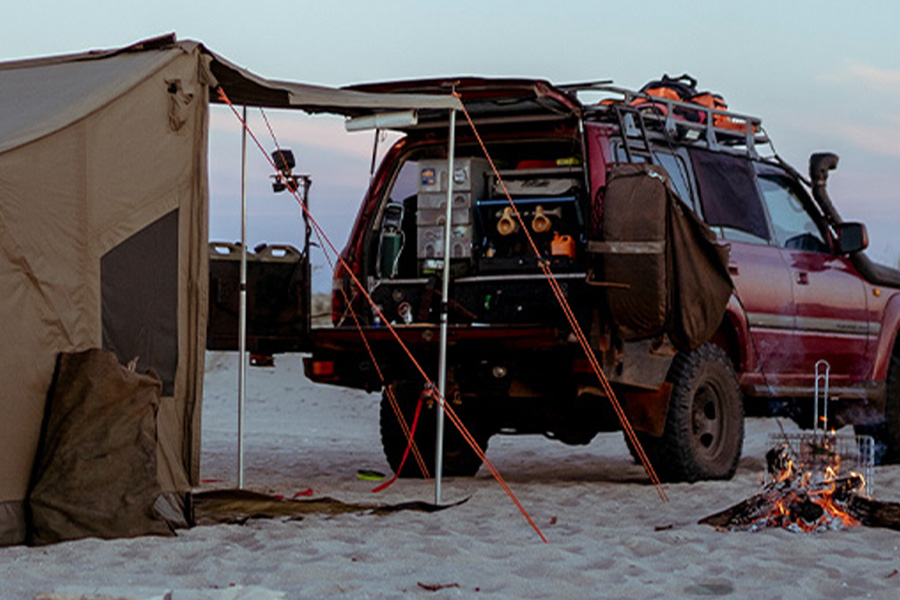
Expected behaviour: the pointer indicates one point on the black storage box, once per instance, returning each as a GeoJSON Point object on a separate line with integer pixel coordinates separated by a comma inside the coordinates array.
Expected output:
{"type": "Point", "coordinates": [277, 302]}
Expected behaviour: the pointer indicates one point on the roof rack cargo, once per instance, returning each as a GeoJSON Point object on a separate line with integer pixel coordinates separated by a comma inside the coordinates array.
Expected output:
{"type": "Point", "coordinates": [655, 117]}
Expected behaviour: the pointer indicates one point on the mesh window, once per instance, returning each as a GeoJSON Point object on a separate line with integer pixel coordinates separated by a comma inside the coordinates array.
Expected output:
{"type": "Point", "coordinates": [728, 193]}
{"type": "Point", "coordinates": [139, 295]}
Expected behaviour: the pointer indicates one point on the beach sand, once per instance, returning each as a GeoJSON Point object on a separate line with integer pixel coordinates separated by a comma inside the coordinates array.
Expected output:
{"type": "Point", "coordinates": [610, 535]}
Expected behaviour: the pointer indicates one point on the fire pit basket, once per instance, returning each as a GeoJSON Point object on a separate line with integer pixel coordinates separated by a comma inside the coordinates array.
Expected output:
{"type": "Point", "coordinates": [815, 452]}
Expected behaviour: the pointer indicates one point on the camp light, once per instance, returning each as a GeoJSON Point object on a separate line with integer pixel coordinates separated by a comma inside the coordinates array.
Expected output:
{"type": "Point", "coordinates": [383, 120]}
{"type": "Point", "coordinates": [285, 179]}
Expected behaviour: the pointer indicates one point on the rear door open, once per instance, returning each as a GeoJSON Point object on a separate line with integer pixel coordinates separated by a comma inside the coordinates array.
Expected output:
{"type": "Point", "coordinates": [278, 277]}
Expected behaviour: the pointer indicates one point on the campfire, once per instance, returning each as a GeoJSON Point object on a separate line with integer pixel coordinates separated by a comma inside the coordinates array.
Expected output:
{"type": "Point", "coordinates": [805, 489]}
{"type": "Point", "coordinates": [814, 482]}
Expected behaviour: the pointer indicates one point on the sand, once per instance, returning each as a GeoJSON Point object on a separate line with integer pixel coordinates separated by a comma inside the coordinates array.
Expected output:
{"type": "Point", "coordinates": [610, 535]}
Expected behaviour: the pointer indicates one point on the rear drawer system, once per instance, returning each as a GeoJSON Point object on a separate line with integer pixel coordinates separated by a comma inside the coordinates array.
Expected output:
{"type": "Point", "coordinates": [495, 271]}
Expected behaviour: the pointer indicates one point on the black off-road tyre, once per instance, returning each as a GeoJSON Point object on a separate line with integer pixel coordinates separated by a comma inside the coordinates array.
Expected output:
{"type": "Point", "coordinates": [704, 431]}
{"type": "Point", "coordinates": [887, 433]}
{"type": "Point", "coordinates": [459, 458]}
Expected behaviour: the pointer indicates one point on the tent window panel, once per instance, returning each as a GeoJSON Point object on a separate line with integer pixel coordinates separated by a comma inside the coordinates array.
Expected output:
{"type": "Point", "coordinates": [139, 294]}
{"type": "Point", "coordinates": [729, 196]}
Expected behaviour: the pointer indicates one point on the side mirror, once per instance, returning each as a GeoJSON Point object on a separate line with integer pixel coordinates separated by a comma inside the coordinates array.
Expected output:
{"type": "Point", "coordinates": [851, 237]}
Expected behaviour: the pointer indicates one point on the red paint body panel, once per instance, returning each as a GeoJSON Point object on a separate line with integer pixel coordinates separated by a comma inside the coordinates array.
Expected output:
{"type": "Point", "coordinates": [762, 284]}
{"type": "Point", "coordinates": [832, 317]}
{"type": "Point", "coordinates": [599, 155]}
{"type": "Point", "coordinates": [887, 307]}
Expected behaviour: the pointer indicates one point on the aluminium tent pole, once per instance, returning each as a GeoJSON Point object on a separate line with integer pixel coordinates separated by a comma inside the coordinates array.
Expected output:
{"type": "Point", "coordinates": [242, 309]}
{"type": "Point", "coordinates": [445, 294]}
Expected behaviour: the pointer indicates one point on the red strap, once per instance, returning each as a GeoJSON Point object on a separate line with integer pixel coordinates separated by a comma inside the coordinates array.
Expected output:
{"type": "Point", "coordinates": [412, 434]}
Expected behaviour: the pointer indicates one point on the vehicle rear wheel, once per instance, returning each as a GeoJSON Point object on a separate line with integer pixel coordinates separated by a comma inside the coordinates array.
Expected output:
{"type": "Point", "coordinates": [887, 433]}
{"type": "Point", "coordinates": [459, 458]}
{"type": "Point", "coordinates": [704, 431]}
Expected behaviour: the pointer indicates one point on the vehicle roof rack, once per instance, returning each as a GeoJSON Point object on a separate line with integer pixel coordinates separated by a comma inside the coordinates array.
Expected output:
{"type": "Point", "coordinates": [673, 121]}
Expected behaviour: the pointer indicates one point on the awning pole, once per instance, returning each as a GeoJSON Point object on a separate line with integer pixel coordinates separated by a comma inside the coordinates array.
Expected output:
{"type": "Point", "coordinates": [242, 308]}
{"type": "Point", "coordinates": [445, 295]}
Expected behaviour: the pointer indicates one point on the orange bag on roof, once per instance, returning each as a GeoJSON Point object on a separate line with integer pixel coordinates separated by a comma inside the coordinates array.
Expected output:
{"type": "Point", "coordinates": [680, 88]}
{"type": "Point", "coordinates": [684, 89]}
{"type": "Point", "coordinates": [711, 100]}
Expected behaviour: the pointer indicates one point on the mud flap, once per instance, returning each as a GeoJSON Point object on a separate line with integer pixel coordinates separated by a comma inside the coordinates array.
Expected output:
{"type": "Point", "coordinates": [646, 409]}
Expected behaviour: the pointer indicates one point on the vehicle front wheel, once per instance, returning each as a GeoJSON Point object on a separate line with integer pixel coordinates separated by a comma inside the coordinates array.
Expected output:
{"type": "Point", "coordinates": [459, 458]}
{"type": "Point", "coordinates": [704, 431]}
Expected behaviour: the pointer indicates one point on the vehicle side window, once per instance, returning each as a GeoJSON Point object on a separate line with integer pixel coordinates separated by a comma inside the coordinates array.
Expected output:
{"type": "Point", "coordinates": [794, 227]}
{"type": "Point", "coordinates": [620, 156]}
{"type": "Point", "coordinates": [678, 175]}
{"type": "Point", "coordinates": [406, 183]}
{"type": "Point", "coordinates": [675, 167]}
{"type": "Point", "coordinates": [729, 196]}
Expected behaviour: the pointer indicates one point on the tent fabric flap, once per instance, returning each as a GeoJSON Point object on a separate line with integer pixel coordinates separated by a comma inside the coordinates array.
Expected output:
{"type": "Point", "coordinates": [96, 470]}
{"type": "Point", "coordinates": [634, 252]}
{"type": "Point", "coordinates": [12, 523]}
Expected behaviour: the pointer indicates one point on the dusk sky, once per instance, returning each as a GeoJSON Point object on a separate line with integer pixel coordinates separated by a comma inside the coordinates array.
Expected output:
{"type": "Point", "coordinates": [822, 75]}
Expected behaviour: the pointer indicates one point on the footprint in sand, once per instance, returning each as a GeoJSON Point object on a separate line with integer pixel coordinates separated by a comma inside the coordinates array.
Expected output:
{"type": "Point", "coordinates": [710, 588]}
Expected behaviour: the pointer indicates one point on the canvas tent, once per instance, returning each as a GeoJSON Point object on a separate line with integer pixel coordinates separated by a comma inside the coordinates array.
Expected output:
{"type": "Point", "coordinates": [103, 229]}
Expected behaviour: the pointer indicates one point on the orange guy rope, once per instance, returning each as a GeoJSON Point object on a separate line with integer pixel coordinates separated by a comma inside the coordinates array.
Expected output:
{"type": "Point", "coordinates": [573, 322]}
{"type": "Point", "coordinates": [389, 392]}
{"type": "Point", "coordinates": [224, 97]}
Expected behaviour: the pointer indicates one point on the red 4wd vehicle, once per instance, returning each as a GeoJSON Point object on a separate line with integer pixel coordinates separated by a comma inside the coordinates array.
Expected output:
{"type": "Point", "coordinates": [635, 202]}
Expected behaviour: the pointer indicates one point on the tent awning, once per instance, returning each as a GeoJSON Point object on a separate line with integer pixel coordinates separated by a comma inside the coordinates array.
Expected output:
{"type": "Point", "coordinates": [40, 96]}
{"type": "Point", "coordinates": [244, 87]}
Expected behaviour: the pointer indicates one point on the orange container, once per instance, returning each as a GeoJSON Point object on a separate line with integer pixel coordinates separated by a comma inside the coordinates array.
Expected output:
{"type": "Point", "coordinates": [562, 245]}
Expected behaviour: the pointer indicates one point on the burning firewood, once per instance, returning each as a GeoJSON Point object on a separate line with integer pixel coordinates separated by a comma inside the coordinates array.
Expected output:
{"type": "Point", "coordinates": [809, 497]}
{"type": "Point", "coordinates": [790, 505]}
{"type": "Point", "coordinates": [762, 510]}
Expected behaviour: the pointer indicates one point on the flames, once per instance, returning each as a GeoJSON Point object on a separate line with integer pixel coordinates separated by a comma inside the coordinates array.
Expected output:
{"type": "Point", "coordinates": [815, 481]}
{"type": "Point", "coordinates": [805, 490]}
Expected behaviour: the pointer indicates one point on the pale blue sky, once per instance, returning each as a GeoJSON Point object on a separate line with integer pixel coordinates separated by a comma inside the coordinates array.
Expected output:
{"type": "Point", "coordinates": [822, 75]}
